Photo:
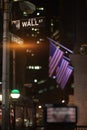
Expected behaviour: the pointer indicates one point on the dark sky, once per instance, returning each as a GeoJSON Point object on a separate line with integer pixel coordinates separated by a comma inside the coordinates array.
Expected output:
{"type": "Point", "coordinates": [51, 7]}
{"type": "Point", "coordinates": [73, 17]}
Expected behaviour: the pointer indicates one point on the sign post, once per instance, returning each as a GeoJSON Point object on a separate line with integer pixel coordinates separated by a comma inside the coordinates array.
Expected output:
{"type": "Point", "coordinates": [5, 67]}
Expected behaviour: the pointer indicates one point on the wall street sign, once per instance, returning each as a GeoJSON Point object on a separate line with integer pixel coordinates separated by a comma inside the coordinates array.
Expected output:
{"type": "Point", "coordinates": [27, 23]}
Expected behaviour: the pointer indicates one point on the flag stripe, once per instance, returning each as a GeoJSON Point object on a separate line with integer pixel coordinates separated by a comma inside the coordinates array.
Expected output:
{"type": "Point", "coordinates": [66, 76]}
{"type": "Point", "coordinates": [55, 62]}
{"type": "Point", "coordinates": [60, 71]}
{"type": "Point", "coordinates": [55, 56]}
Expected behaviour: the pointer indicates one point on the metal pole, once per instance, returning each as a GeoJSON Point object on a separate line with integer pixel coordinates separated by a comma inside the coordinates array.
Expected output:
{"type": "Point", "coordinates": [5, 67]}
{"type": "Point", "coordinates": [14, 69]}
{"type": "Point", "coordinates": [14, 103]}
{"type": "Point", "coordinates": [14, 125]}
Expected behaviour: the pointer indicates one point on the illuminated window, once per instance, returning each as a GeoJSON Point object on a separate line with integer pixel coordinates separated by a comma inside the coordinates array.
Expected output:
{"type": "Point", "coordinates": [35, 80]}
{"type": "Point", "coordinates": [38, 14]}
{"type": "Point", "coordinates": [34, 67]}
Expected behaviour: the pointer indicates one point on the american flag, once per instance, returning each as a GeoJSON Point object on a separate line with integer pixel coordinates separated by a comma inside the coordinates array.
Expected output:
{"type": "Point", "coordinates": [61, 70]}
{"type": "Point", "coordinates": [66, 76]}
{"type": "Point", "coordinates": [55, 56]}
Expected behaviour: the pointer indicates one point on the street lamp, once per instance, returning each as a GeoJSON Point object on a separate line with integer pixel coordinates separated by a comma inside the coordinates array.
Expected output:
{"type": "Point", "coordinates": [0, 97]}
{"type": "Point", "coordinates": [15, 94]}
{"type": "Point", "coordinates": [5, 64]}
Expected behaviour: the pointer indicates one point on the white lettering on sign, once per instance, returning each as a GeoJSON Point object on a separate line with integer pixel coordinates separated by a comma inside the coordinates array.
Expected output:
{"type": "Point", "coordinates": [30, 22]}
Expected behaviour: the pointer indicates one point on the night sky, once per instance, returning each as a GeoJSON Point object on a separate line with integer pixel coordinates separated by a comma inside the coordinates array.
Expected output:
{"type": "Point", "coordinates": [72, 14]}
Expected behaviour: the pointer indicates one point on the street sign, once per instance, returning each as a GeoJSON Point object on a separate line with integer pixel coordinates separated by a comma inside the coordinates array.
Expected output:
{"type": "Point", "coordinates": [16, 39]}
{"type": "Point", "coordinates": [28, 23]}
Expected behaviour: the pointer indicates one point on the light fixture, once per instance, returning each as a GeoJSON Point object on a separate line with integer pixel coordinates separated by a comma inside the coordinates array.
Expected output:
{"type": "Point", "coordinates": [27, 7]}
{"type": "Point", "coordinates": [0, 97]}
{"type": "Point", "coordinates": [83, 49]}
{"type": "Point", "coordinates": [15, 94]}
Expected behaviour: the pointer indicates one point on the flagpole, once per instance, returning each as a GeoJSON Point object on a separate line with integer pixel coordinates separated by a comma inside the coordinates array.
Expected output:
{"type": "Point", "coordinates": [60, 45]}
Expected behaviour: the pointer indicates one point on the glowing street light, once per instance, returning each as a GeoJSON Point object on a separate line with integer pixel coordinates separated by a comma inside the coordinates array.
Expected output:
{"type": "Point", "coordinates": [0, 97]}
{"type": "Point", "coordinates": [15, 94]}
{"type": "Point", "coordinates": [5, 6]}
